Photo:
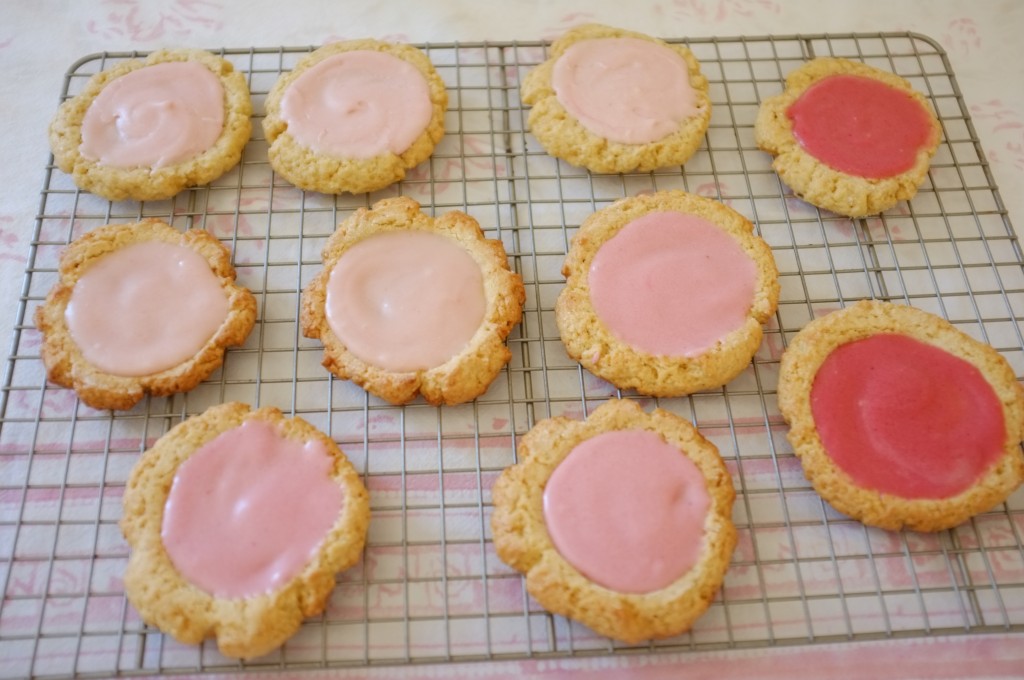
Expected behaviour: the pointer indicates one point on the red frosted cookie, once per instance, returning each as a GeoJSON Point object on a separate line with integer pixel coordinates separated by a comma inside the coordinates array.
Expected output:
{"type": "Point", "coordinates": [901, 420]}
{"type": "Point", "coordinates": [848, 137]}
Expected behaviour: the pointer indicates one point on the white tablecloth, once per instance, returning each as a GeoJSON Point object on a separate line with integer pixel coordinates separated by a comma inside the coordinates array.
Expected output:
{"type": "Point", "coordinates": [40, 39]}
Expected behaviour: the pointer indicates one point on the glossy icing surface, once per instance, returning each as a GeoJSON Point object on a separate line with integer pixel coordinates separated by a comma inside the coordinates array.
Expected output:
{"type": "Point", "coordinates": [405, 301]}
{"type": "Point", "coordinates": [905, 417]}
{"type": "Point", "coordinates": [145, 308]}
{"type": "Point", "coordinates": [860, 126]}
{"type": "Point", "coordinates": [358, 104]}
{"type": "Point", "coordinates": [249, 509]}
{"type": "Point", "coordinates": [672, 284]}
{"type": "Point", "coordinates": [624, 89]}
{"type": "Point", "coordinates": [627, 510]}
{"type": "Point", "coordinates": [154, 116]}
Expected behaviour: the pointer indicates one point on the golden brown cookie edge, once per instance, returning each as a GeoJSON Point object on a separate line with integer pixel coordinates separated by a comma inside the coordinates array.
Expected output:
{"type": "Point", "coordinates": [805, 355]}
{"type": "Point", "coordinates": [815, 182]}
{"type": "Point", "coordinates": [589, 342]}
{"type": "Point", "coordinates": [64, 362]}
{"type": "Point", "coordinates": [312, 171]}
{"type": "Point", "coordinates": [563, 136]}
{"type": "Point", "coordinates": [244, 627]}
{"type": "Point", "coordinates": [143, 184]}
{"type": "Point", "coordinates": [521, 539]}
{"type": "Point", "coordinates": [466, 375]}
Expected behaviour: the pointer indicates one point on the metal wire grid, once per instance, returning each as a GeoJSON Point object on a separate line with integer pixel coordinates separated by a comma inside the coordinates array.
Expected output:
{"type": "Point", "coordinates": [430, 587]}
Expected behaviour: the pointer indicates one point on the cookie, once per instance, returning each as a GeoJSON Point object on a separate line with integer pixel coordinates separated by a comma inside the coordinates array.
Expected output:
{"type": "Point", "coordinates": [621, 522]}
{"type": "Point", "coordinates": [666, 293]}
{"type": "Point", "coordinates": [901, 420]}
{"type": "Point", "coordinates": [848, 137]}
{"type": "Point", "coordinates": [409, 304]}
{"type": "Point", "coordinates": [141, 308]}
{"type": "Point", "coordinates": [354, 116]}
{"type": "Point", "coordinates": [238, 521]}
{"type": "Point", "coordinates": [148, 128]}
{"type": "Point", "coordinates": [612, 100]}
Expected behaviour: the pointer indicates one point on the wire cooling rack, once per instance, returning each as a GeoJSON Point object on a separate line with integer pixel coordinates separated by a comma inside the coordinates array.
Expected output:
{"type": "Point", "coordinates": [430, 587]}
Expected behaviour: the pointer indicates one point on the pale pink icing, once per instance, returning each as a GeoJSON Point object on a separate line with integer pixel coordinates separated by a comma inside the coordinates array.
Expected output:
{"type": "Point", "coordinates": [358, 104]}
{"type": "Point", "coordinates": [144, 308]}
{"type": "Point", "coordinates": [624, 89]}
{"type": "Point", "coordinates": [155, 116]}
{"type": "Point", "coordinates": [672, 284]}
{"type": "Point", "coordinates": [906, 418]}
{"type": "Point", "coordinates": [249, 509]}
{"type": "Point", "coordinates": [627, 510]}
{"type": "Point", "coordinates": [405, 301]}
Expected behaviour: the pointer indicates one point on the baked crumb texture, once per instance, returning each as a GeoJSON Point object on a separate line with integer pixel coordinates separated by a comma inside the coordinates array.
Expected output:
{"type": "Point", "coordinates": [799, 366]}
{"type": "Point", "coordinates": [563, 136]}
{"type": "Point", "coordinates": [588, 340]}
{"type": "Point", "coordinates": [466, 375]}
{"type": "Point", "coordinates": [244, 627]}
{"type": "Point", "coordinates": [522, 540]}
{"type": "Point", "coordinates": [65, 364]}
{"type": "Point", "coordinates": [313, 171]}
{"type": "Point", "coordinates": [142, 183]}
{"type": "Point", "coordinates": [814, 181]}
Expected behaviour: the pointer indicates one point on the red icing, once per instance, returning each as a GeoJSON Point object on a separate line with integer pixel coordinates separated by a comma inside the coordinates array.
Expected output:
{"type": "Point", "coordinates": [860, 126]}
{"type": "Point", "coordinates": [906, 418]}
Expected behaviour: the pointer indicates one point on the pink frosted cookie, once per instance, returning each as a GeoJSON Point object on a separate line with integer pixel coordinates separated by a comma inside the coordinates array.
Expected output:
{"type": "Point", "coordinates": [354, 116]}
{"type": "Point", "coordinates": [622, 522]}
{"type": "Point", "coordinates": [612, 100]}
{"type": "Point", "coordinates": [141, 308]}
{"type": "Point", "coordinates": [146, 129]}
{"type": "Point", "coordinates": [238, 522]}
{"type": "Point", "coordinates": [407, 304]}
{"type": "Point", "coordinates": [899, 419]}
{"type": "Point", "coordinates": [666, 293]}
{"type": "Point", "coordinates": [848, 137]}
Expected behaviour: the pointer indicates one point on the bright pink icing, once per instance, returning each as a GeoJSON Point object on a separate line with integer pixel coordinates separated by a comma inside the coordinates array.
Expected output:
{"type": "Point", "coordinates": [906, 418]}
{"type": "Point", "coordinates": [627, 510]}
{"type": "Point", "coordinates": [672, 284]}
{"type": "Point", "coordinates": [860, 126]}
{"type": "Point", "coordinates": [144, 308]}
{"type": "Point", "coordinates": [249, 509]}
{"type": "Point", "coordinates": [624, 89]}
{"type": "Point", "coordinates": [154, 116]}
{"type": "Point", "coordinates": [405, 301]}
{"type": "Point", "coordinates": [358, 104]}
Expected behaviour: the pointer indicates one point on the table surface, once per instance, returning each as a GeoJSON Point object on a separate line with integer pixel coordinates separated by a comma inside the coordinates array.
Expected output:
{"type": "Point", "coordinates": [39, 40]}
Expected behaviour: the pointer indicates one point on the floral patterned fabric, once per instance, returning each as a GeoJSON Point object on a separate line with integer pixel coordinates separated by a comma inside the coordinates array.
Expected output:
{"type": "Point", "coordinates": [39, 42]}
